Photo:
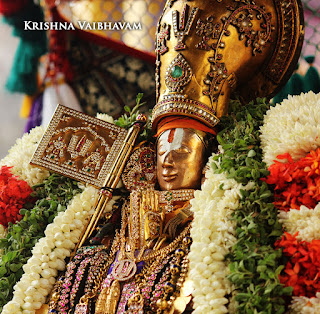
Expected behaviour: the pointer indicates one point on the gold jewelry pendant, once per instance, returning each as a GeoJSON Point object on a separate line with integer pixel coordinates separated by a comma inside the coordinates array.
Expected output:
{"type": "Point", "coordinates": [112, 298]}
{"type": "Point", "coordinates": [108, 299]}
{"type": "Point", "coordinates": [124, 270]}
{"type": "Point", "coordinates": [101, 301]}
{"type": "Point", "coordinates": [83, 306]}
{"type": "Point", "coordinates": [135, 304]}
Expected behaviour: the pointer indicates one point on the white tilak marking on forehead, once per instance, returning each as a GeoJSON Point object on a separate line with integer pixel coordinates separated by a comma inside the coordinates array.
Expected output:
{"type": "Point", "coordinates": [176, 142]}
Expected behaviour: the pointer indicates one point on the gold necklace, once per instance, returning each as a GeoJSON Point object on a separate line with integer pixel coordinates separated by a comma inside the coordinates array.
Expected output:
{"type": "Point", "coordinates": [125, 267]}
{"type": "Point", "coordinates": [144, 206]}
{"type": "Point", "coordinates": [168, 197]}
{"type": "Point", "coordinates": [83, 305]}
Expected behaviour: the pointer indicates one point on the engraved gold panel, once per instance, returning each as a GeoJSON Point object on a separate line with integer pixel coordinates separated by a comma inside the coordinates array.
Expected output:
{"type": "Point", "coordinates": [79, 146]}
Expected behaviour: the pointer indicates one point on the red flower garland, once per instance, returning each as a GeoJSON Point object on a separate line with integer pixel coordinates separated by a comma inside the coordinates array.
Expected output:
{"type": "Point", "coordinates": [297, 182]}
{"type": "Point", "coordinates": [14, 193]}
{"type": "Point", "coordinates": [302, 271]}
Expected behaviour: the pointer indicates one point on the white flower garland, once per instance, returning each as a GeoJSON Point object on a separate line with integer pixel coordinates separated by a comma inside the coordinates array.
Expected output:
{"type": "Point", "coordinates": [105, 117]}
{"type": "Point", "coordinates": [49, 253]}
{"type": "Point", "coordinates": [20, 155]}
{"type": "Point", "coordinates": [292, 127]}
{"type": "Point", "coordinates": [213, 236]}
{"type": "Point", "coordinates": [61, 235]}
{"type": "Point", "coordinates": [305, 220]}
{"type": "Point", "coordinates": [304, 305]}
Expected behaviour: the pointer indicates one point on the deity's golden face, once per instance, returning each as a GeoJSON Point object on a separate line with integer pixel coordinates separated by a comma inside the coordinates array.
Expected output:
{"type": "Point", "coordinates": [180, 159]}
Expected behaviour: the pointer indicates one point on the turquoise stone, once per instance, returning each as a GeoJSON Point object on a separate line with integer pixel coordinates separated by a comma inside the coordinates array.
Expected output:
{"type": "Point", "coordinates": [176, 71]}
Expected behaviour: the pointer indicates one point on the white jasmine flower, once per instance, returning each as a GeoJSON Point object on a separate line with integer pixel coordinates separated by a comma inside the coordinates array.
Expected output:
{"type": "Point", "coordinates": [49, 254]}
{"type": "Point", "coordinates": [105, 117]}
{"type": "Point", "coordinates": [305, 220]}
{"type": "Point", "coordinates": [292, 127]}
{"type": "Point", "coordinates": [304, 305]}
{"type": "Point", "coordinates": [213, 236]}
{"type": "Point", "coordinates": [20, 155]}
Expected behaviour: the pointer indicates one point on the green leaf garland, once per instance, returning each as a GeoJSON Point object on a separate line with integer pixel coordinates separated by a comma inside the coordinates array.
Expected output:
{"type": "Point", "coordinates": [53, 196]}
{"type": "Point", "coordinates": [254, 263]}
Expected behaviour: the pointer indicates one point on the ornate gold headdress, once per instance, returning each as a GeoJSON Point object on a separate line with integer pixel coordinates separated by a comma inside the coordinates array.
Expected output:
{"type": "Point", "coordinates": [209, 49]}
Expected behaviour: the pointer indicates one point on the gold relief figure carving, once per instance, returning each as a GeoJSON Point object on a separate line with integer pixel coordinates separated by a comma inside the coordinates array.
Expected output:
{"type": "Point", "coordinates": [56, 148]}
{"type": "Point", "coordinates": [78, 147]}
{"type": "Point", "coordinates": [70, 139]}
{"type": "Point", "coordinates": [182, 26]}
{"type": "Point", "coordinates": [162, 37]}
{"type": "Point", "coordinates": [93, 162]}
{"type": "Point", "coordinates": [113, 297]}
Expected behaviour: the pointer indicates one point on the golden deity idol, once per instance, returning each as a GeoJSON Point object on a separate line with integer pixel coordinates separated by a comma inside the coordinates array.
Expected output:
{"type": "Point", "coordinates": [207, 51]}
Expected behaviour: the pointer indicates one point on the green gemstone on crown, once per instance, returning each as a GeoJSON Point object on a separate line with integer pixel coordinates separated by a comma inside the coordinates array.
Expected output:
{"type": "Point", "coordinates": [176, 71]}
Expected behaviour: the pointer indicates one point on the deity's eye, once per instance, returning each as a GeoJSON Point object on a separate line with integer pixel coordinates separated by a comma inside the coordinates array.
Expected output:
{"type": "Point", "coordinates": [161, 150]}
{"type": "Point", "coordinates": [183, 150]}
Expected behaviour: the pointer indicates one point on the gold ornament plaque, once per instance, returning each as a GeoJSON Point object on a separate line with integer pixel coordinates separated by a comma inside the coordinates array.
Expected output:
{"type": "Point", "coordinates": [79, 146]}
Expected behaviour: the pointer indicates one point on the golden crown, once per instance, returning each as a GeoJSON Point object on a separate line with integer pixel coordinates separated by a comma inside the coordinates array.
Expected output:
{"type": "Point", "coordinates": [208, 50]}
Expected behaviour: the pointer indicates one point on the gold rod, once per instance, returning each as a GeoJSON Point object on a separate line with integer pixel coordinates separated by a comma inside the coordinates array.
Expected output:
{"type": "Point", "coordinates": [112, 179]}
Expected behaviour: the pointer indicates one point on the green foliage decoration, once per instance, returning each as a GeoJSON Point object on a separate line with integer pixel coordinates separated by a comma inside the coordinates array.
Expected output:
{"type": "Point", "coordinates": [53, 196]}
{"type": "Point", "coordinates": [127, 119]}
{"type": "Point", "coordinates": [254, 263]}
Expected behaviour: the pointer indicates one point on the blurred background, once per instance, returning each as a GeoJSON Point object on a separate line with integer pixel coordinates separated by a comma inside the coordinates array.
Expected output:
{"type": "Point", "coordinates": [11, 124]}
{"type": "Point", "coordinates": [97, 71]}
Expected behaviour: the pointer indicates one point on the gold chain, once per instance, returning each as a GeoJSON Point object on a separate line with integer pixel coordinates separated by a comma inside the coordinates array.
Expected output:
{"type": "Point", "coordinates": [170, 247]}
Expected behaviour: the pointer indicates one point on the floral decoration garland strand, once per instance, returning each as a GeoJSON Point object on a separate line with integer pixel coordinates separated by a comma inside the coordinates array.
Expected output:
{"type": "Point", "coordinates": [253, 261]}
{"type": "Point", "coordinates": [49, 254]}
{"type": "Point", "coordinates": [296, 175]}
{"type": "Point", "coordinates": [61, 236]}
{"type": "Point", "coordinates": [20, 155]}
{"type": "Point", "coordinates": [291, 127]}
{"type": "Point", "coordinates": [18, 160]}
{"type": "Point", "coordinates": [14, 194]}
{"type": "Point", "coordinates": [53, 196]}
{"type": "Point", "coordinates": [213, 235]}
{"type": "Point", "coordinates": [296, 193]}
